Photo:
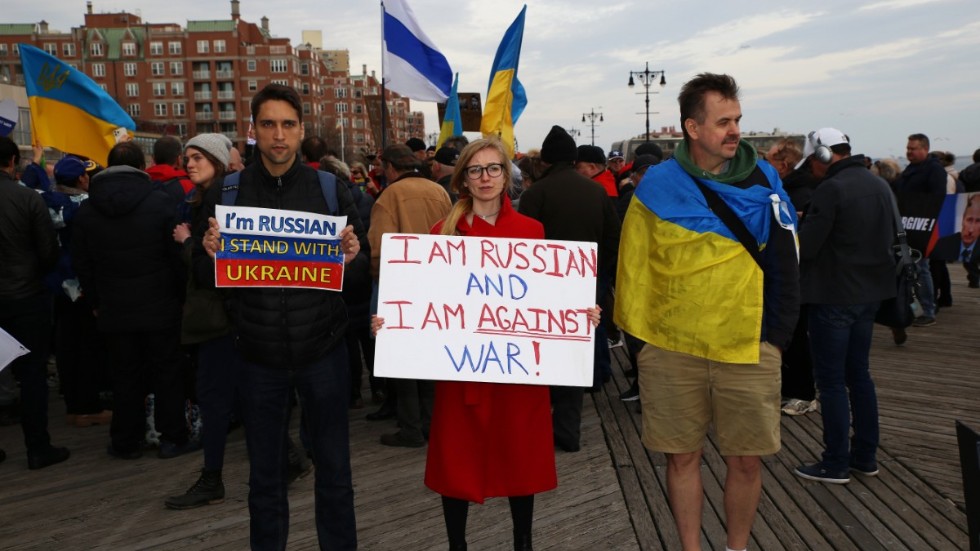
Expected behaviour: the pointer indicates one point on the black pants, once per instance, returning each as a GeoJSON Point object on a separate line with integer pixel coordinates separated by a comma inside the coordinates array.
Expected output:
{"type": "Point", "coordinates": [29, 321]}
{"type": "Point", "coordinates": [456, 510]}
{"type": "Point", "coordinates": [81, 354]}
{"type": "Point", "coordinates": [146, 362]}
{"type": "Point", "coordinates": [797, 367]}
{"type": "Point", "coordinates": [941, 282]}
{"type": "Point", "coordinates": [359, 340]}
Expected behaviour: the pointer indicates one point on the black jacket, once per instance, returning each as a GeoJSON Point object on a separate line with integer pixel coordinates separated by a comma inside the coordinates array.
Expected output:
{"type": "Point", "coordinates": [285, 327]}
{"type": "Point", "coordinates": [28, 243]}
{"type": "Point", "coordinates": [799, 185]}
{"type": "Point", "coordinates": [574, 208]}
{"type": "Point", "coordinates": [929, 176]}
{"type": "Point", "coordinates": [846, 238]}
{"type": "Point", "coordinates": [124, 253]}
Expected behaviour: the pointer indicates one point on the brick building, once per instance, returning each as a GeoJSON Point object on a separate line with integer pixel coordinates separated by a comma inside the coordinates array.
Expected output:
{"type": "Point", "coordinates": [201, 78]}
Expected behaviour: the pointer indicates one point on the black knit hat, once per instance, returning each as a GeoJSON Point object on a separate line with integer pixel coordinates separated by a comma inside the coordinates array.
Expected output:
{"type": "Point", "coordinates": [558, 147]}
{"type": "Point", "coordinates": [590, 154]}
{"type": "Point", "coordinates": [650, 148]}
{"type": "Point", "coordinates": [415, 144]}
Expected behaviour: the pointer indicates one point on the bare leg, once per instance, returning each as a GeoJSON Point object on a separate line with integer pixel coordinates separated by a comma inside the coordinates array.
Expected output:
{"type": "Point", "coordinates": [686, 495]}
{"type": "Point", "coordinates": [743, 487]}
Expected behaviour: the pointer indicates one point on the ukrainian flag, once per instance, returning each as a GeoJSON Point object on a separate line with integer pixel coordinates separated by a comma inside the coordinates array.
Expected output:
{"type": "Point", "coordinates": [505, 98]}
{"type": "Point", "coordinates": [452, 122]}
{"type": "Point", "coordinates": [684, 281]}
{"type": "Point", "coordinates": [68, 110]}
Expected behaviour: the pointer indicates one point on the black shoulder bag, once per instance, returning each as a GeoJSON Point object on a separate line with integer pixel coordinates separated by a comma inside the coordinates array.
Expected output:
{"type": "Point", "coordinates": [734, 223]}
{"type": "Point", "coordinates": [901, 310]}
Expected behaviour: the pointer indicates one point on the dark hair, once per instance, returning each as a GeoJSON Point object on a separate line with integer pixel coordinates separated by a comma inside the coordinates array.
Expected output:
{"type": "Point", "coordinates": [456, 142]}
{"type": "Point", "coordinates": [219, 172]}
{"type": "Point", "coordinates": [127, 154]}
{"type": "Point", "coordinates": [842, 149]}
{"type": "Point", "coordinates": [691, 98]}
{"type": "Point", "coordinates": [976, 156]}
{"type": "Point", "coordinates": [167, 150]}
{"type": "Point", "coordinates": [920, 138]}
{"type": "Point", "coordinates": [9, 152]}
{"type": "Point", "coordinates": [313, 149]}
{"type": "Point", "coordinates": [278, 92]}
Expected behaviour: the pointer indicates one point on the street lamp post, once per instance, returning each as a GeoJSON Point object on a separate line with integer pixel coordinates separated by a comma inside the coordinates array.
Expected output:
{"type": "Point", "coordinates": [647, 77]}
{"type": "Point", "coordinates": [590, 119]}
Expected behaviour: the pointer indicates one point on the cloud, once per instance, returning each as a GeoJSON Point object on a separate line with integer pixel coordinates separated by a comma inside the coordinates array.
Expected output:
{"type": "Point", "coordinates": [897, 4]}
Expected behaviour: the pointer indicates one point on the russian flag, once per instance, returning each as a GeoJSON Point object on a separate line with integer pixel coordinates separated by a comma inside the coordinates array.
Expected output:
{"type": "Point", "coordinates": [411, 64]}
{"type": "Point", "coordinates": [69, 111]}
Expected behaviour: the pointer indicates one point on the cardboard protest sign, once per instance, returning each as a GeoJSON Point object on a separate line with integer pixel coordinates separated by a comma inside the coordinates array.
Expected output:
{"type": "Point", "coordinates": [278, 248]}
{"type": "Point", "coordinates": [486, 309]}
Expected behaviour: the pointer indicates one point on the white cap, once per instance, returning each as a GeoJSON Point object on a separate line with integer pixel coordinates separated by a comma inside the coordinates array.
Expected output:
{"type": "Point", "coordinates": [825, 136]}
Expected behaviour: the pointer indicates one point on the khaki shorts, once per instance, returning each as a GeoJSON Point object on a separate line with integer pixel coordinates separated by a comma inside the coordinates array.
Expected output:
{"type": "Point", "coordinates": [683, 395]}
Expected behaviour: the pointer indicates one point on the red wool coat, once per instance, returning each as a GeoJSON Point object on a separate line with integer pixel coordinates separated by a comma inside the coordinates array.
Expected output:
{"type": "Point", "coordinates": [491, 439]}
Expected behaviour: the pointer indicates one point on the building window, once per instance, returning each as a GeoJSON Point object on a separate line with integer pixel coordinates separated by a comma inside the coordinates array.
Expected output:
{"type": "Point", "coordinates": [132, 89]}
{"type": "Point", "coordinates": [306, 88]}
{"type": "Point", "coordinates": [174, 48]}
{"type": "Point", "coordinates": [357, 94]}
{"type": "Point", "coordinates": [203, 46]}
{"type": "Point", "coordinates": [68, 49]}
{"type": "Point", "coordinates": [253, 85]}
{"type": "Point", "coordinates": [179, 109]}
{"type": "Point", "coordinates": [341, 107]}
{"type": "Point", "coordinates": [129, 69]}
{"type": "Point", "coordinates": [156, 48]}
{"type": "Point", "coordinates": [134, 109]}
{"type": "Point", "coordinates": [104, 87]}
{"type": "Point", "coordinates": [3, 50]}
{"type": "Point", "coordinates": [95, 49]}
{"type": "Point", "coordinates": [176, 67]}
{"type": "Point", "coordinates": [160, 109]}
{"type": "Point", "coordinates": [250, 65]}
{"type": "Point", "coordinates": [340, 92]}
{"type": "Point", "coordinates": [306, 108]}
{"type": "Point", "coordinates": [51, 48]}
{"type": "Point", "coordinates": [219, 46]}
{"type": "Point", "coordinates": [156, 68]}
{"type": "Point", "coordinates": [177, 88]}
{"type": "Point", "coordinates": [129, 49]}
{"type": "Point", "coordinates": [358, 108]}
{"type": "Point", "coordinates": [304, 69]}
{"type": "Point", "coordinates": [281, 82]}
{"type": "Point", "coordinates": [98, 69]}
{"type": "Point", "coordinates": [159, 89]}
{"type": "Point", "coordinates": [277, 65]}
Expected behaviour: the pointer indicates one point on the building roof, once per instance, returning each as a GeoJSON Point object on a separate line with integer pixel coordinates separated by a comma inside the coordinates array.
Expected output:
{"type": "Point", "coordinates": [211, 26]}
{"type": "Point", "coordinates": [17, 28]}
{"type": "Point", "coordinates": [114, 38]}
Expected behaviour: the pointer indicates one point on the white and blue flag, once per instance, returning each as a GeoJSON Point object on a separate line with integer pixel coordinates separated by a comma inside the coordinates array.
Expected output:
{"type": "Point", "coordinates": [411, 64]}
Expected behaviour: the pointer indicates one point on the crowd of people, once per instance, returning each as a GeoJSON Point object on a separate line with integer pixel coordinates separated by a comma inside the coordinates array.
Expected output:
{"type": "Point", "coordinates": [741, 284]}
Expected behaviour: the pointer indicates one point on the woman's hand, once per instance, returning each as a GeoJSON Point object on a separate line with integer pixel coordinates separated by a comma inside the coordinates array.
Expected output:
{"type": "Point", "coordinates": [349, 244]}
{"type": "Point", "coordinates": [182, 232]}
{"type": "Point", "coordinates": [212, 238]}
{"type": "Point", "coordinates": [594, 313]}
{"type": "Point", "coordinates": [377, 322]}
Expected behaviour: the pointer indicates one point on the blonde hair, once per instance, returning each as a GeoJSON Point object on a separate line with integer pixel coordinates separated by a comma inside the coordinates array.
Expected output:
{"type": "Point", "coordinates": [457, 183]}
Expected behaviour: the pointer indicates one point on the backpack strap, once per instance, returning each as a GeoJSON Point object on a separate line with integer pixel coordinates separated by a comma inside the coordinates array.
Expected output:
{"type": "Point", "coordinates": [229, 189]}
{"type": "Point", "coordinates": [328, 184]}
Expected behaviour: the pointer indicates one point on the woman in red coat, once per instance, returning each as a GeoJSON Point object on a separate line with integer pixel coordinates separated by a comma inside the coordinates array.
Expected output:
{"type": "Point", "coordinates": [489, 439]}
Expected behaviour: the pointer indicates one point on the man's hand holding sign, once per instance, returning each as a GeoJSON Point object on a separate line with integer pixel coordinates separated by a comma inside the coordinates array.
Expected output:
{"type": "Point", "coordinates": [255, 247]}
{"type": "Point", "coordinates": [486, 309]}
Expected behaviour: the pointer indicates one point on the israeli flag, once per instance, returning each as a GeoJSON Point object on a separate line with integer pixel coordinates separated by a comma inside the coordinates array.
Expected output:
{"type": "Point", "coordinates": [411, 64]}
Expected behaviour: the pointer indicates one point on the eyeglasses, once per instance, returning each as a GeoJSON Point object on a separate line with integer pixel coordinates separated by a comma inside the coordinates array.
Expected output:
{"type": "Point", "coordinates": [475, 172]}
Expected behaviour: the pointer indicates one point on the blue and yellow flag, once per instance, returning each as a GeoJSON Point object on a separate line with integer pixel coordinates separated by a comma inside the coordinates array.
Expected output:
{"type": "Point", "coordinates": [685, 283]}
{"type": "Point", "coordinates": [69, 111]}
{"type": "Point", "coordinates": [505, 98]}
{"type": "Point", "coordinates": [452, 122]}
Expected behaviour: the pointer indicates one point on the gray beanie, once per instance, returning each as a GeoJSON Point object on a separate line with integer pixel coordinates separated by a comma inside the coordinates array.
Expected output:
{"type": "Point", "coordinates": [217, 145]}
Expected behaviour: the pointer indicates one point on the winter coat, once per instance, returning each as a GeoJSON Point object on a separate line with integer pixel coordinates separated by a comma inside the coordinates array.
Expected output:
{"type": "Point", "coordinates": [28, 243]}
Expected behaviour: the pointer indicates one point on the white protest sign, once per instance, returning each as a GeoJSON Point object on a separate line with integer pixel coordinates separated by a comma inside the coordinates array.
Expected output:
{"type": "Point", "coordinates": [486, 309]}
{"type": "Point", "coordinates": [278, 248]}
{"type": "Point", "coordinates": [10, 349]}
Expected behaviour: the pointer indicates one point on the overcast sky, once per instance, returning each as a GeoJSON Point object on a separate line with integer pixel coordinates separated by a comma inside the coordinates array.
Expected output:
{"type": "Point", "coordinates": [878, 71]}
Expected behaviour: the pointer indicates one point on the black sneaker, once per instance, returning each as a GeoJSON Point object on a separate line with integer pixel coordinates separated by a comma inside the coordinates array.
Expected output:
{"type": "Point", "coordinates": [865, 470]}
{"type": "Point", "coordinates": [923, 321]}
{"type": "Point", "coordinates": [899, 336]}
{"type": "Point", "coordinates": [631, 395]}
{"type": "Point", "coordinates": [208, 490]}
{"type": "Point", "coordinates": [47, 457]}
{"type": "Point", "coordinates": [169, 450]}
{"type": "Point", "coordinates": [820, 473]}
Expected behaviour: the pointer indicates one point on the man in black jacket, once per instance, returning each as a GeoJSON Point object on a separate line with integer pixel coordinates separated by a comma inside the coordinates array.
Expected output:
{"type": "Point", "coordinates": [130, 271]}
{"type": "Point", "coordinates": [847, 268]}
{"type": "Point", "coordinates": [28, 249]}
{"type": "Point", "coordinates": [290, 339]}
{"type": "Point", "coordinates": [574, 208]}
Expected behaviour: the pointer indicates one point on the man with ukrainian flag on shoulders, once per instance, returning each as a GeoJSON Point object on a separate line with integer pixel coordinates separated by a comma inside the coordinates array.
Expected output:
{"type": "Point", "coordinates": [708, 278]}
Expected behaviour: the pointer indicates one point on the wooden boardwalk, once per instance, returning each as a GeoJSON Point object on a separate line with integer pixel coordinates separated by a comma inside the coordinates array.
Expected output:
{"type": "Point", "coordinates": [611, 495]}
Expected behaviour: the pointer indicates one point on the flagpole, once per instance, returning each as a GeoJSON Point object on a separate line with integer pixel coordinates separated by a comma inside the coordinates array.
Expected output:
{"type": "Point", "coordinates": [384, 131]}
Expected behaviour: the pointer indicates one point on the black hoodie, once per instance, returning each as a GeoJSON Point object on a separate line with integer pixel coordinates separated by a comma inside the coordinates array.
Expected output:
{"type": "Point", "coordinates": [124, 253]}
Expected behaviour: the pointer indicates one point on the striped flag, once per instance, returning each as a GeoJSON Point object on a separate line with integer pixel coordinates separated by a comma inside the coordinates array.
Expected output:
{"type": "Point", "coordinates": [505, 98]}
{"type": "Point", "coordinates": [452, 122]}
{"type": "Point", "coordinates": [69, 111]}
{"type": "Point", "coordinates": [411, 64]}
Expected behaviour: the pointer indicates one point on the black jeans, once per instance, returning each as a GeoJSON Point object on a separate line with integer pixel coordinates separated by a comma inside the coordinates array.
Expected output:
{"type": "Point", "coordinates": [29, 321]}
{"type": "Point", "coordinates": [143, 362]}
{"type": "Point", "coordinates": [81, 354]}
{"type": "Point", "coordinates": [218, 373]}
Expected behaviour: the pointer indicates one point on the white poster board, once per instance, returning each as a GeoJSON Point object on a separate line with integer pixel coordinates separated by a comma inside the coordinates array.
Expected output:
{"type": "Point", "coordinates": [486, 309]}
{"type": "Point", "coordinates": [10, 349]}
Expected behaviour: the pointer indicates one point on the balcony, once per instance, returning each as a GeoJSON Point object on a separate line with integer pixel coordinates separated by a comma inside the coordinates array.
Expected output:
{"type": "Point", "coordinates": [226, 94]}
{"type": "Point", "coordinates": [226, 115]}
{"type": "Point", "coordinates": [224, 74]}
{"type": "Point", "coordinates": [204, 115]}
{"type": "Point", "coordinates": [202, 95]}
{"type": "Point", "coordinates": [202, 75]}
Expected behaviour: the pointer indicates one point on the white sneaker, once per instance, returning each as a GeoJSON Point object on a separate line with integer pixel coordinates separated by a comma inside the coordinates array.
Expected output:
{"type": "Point", "coordinates": [799, 407]}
